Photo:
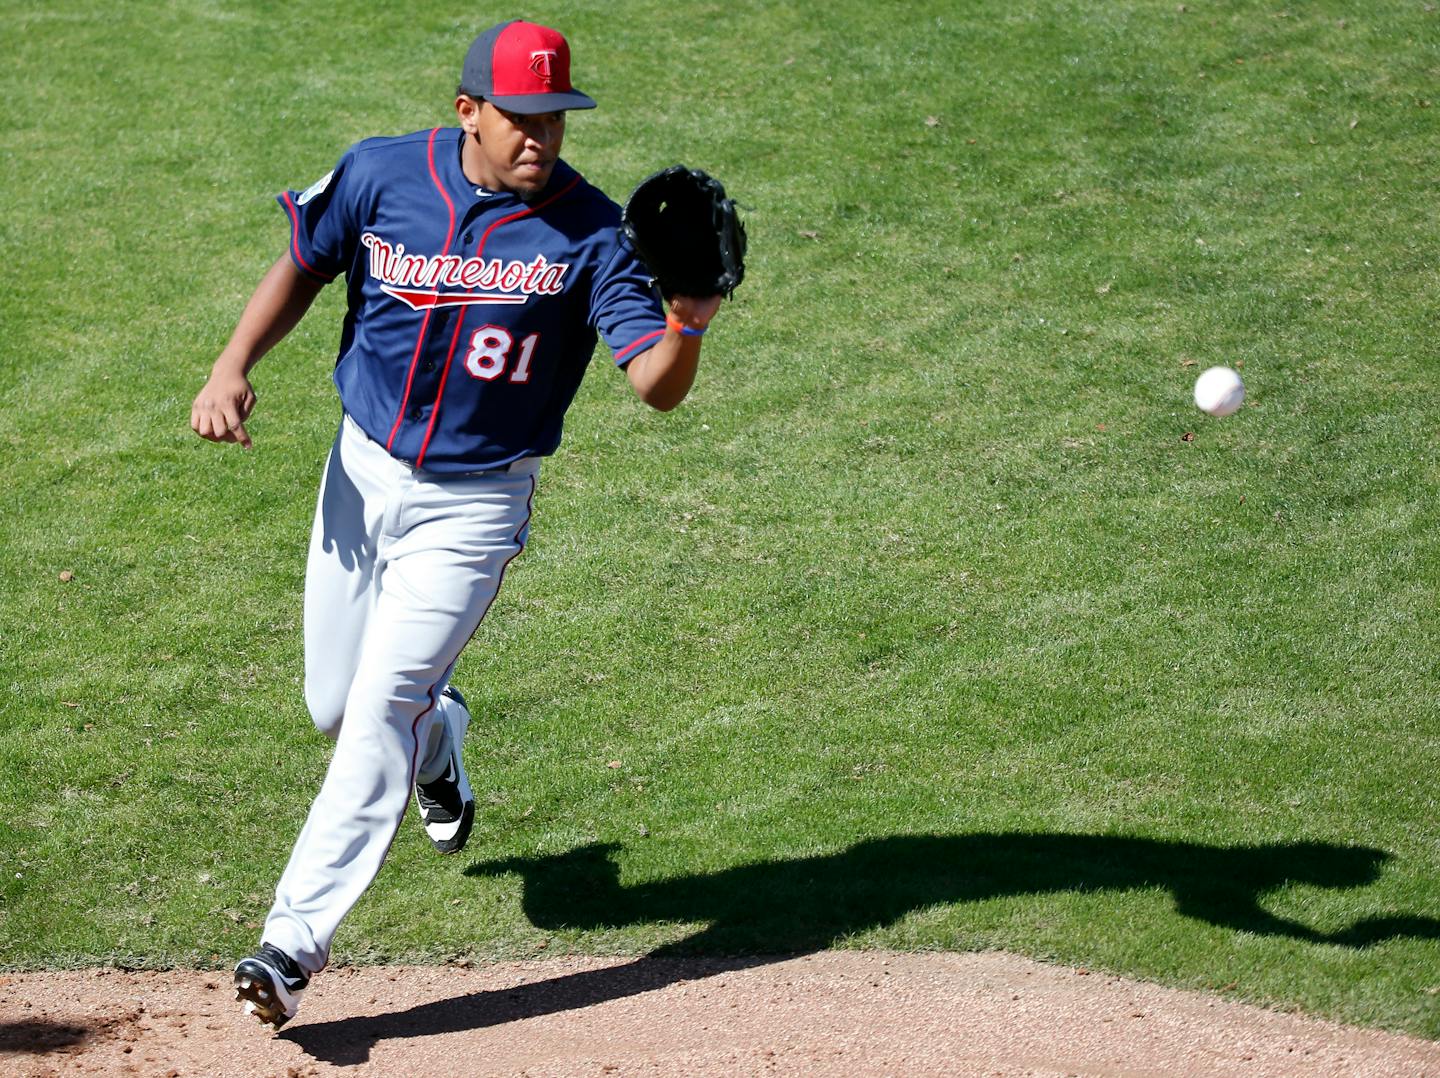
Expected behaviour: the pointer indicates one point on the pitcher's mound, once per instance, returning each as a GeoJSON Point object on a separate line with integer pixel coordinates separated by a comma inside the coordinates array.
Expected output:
{"type": "Point", "coordinates": [834, 1013]}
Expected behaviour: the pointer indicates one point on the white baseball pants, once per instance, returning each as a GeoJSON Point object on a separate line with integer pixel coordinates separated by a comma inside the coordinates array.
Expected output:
{"type": "Point", "coordinates": [403, 566]}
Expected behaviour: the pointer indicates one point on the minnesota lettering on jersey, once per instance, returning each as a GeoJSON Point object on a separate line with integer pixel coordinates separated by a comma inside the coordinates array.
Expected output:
{"type": "Point", "coordinates": [417, 280]}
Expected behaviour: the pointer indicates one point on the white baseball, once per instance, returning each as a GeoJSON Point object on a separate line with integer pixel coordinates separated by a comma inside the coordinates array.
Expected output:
{"type": "Point", "coordinates": [1219, 391]}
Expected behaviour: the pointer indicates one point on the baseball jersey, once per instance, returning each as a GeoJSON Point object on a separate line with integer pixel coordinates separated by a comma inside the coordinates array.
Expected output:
{"type": "Point", "coordinates": [471, 314]}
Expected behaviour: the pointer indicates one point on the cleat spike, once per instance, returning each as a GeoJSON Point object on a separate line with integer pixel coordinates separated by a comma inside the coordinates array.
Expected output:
{"type": "Point", "coordinates": [270, 984]}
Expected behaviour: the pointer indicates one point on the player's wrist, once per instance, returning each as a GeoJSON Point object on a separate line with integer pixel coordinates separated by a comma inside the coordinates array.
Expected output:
{"type": "Point", "coordinates": [685, 328]}
{"type": "Point", "coordinates": [233, 362]}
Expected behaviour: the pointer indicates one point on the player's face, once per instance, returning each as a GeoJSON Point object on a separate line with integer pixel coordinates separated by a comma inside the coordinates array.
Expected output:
{"type": "Point", "coordinates": [517, 153]}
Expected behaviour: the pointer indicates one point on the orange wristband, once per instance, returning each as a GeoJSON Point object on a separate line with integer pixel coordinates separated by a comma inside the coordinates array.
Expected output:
{"type": "Point", "coordinates": [681, 328]}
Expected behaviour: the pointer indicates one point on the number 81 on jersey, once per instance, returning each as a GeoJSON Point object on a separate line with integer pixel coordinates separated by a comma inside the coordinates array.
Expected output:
{"type": "Point", "coordinates": [489, 354]}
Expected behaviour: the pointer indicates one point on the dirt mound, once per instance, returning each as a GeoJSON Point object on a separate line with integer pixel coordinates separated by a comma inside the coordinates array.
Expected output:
{"type": "Point", "coordinates": [834, 1013]}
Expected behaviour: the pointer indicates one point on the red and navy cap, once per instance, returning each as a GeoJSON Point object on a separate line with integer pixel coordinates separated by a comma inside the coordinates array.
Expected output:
{"type": "Point", "coordinates": [521, 67]}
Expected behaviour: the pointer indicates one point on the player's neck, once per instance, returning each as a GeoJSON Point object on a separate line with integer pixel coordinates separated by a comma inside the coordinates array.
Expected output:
{"type": "Point", "coordinates": [474, 165]}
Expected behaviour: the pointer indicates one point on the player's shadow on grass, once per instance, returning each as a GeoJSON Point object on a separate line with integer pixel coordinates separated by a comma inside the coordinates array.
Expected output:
{"type": "Point", "coordinates": [808, 903]}
{"type": "Point", "coordinates": [782, 908]}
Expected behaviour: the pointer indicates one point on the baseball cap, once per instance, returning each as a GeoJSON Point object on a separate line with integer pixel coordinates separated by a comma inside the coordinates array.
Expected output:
{"type": "Point", "coordinates": [522, 67]}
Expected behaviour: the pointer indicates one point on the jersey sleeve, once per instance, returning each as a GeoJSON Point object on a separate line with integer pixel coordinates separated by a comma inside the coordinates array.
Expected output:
{"type": "Point", "coordinates": [625, 307]}
{"type": "Point", "coordinates": [322, 222]}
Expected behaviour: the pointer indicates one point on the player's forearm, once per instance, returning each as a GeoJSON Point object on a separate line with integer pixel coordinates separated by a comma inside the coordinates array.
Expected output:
{"type": "Point", "coordinates": [280, 300]}
{"type": "Point", "coordinates": [662, 376]}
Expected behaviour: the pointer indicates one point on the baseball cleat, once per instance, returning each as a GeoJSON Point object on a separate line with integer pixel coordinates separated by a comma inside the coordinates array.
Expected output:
{"type": "Point", "coordinates": [270, 983]}
{"type": "Point", "coordinates": [447, 806]}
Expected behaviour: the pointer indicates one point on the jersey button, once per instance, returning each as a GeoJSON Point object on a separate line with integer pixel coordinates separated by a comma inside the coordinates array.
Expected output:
{"type": "Point", "coordinates": [414, 413]}
{"type": "Point", "coordinates": [429, 365]}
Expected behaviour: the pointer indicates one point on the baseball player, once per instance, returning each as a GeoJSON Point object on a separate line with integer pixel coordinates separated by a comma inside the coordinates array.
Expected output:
{"type": "Point", "coordinates": [479, 269]}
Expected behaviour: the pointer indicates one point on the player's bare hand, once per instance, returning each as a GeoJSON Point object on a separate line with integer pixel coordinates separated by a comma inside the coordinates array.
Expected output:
{"type": "Point", "coordinates": [221, 408]}
{"type": "Point", "coordinates": [695, 311]}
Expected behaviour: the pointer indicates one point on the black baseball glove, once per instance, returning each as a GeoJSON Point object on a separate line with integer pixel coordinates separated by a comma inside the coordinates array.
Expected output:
{"type": "Point", "coordinates": [686, 232]}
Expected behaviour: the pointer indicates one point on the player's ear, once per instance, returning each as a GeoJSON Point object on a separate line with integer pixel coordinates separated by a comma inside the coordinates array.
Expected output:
{"type": "Point", "coordinates": [467, 109]}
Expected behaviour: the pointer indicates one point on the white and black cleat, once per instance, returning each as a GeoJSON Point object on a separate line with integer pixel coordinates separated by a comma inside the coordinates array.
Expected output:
{"type": "Point", "coordinates": [270, 984]}
{"type": "Point", "coordinates": [447, 805]}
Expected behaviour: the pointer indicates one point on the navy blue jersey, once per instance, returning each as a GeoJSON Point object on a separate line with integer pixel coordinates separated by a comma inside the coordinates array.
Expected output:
{"type": "Point", "coordinates": [471, 314]}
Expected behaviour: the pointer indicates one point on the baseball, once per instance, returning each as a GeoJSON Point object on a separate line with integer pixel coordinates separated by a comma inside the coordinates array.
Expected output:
{"type": "Point", "coordinates": [1219, 391]}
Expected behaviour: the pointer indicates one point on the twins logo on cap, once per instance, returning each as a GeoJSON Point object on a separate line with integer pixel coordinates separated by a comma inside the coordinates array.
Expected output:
{"type": "Point", "coordinates": [540, 63]}
{"type": "Point", "coordinates": [522, 67]}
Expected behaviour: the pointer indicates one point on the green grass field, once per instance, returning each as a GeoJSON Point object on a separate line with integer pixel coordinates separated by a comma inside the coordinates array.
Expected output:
{"type": "Point", "coordinates": [938, 618]}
